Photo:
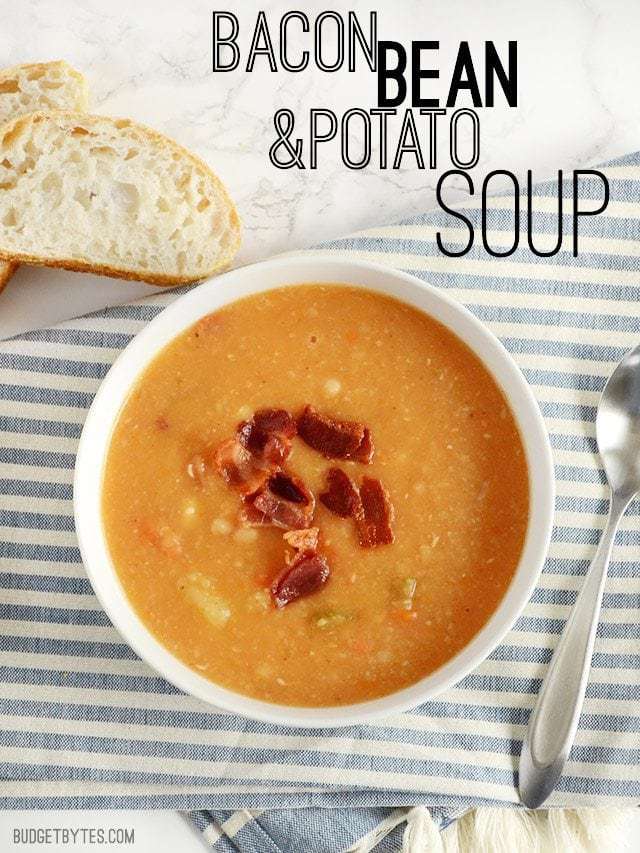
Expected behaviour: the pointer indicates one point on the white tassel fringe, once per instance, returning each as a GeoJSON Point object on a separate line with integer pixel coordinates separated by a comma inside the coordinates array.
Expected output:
{"type": "Point", "coordinates": [510, 831]}
{"type": "Point", "coordinates": [542, 831]}
{"type": "Point", "coordinates": [421, 833]}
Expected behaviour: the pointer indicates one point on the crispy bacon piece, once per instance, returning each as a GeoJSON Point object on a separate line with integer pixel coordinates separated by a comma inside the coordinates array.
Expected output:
{"type": "Point", "coordinates": [374, 523]}
{"type": "Point", "coordinates": [335, 439]}
{"type": "Point", "coordinates": [276, 420]}
{"type": "Point", "coordinates": [238, 468]}
{"type": "Point", "coordinates": [341, 497]}
{"type": "Point", "coordinates": [252, 517]}
{"type": "Point", "coordinates": [282, 501]}
{"type": "Point", "coordinates": [267, 436]}
{"type": "Point", "coordinates": [304, 576]}
{"type": "Point", "coordinates": [290, 489]}
{"type": "Point", "coordinates": [369, 506]}
{"type": "Point", "coordinates": [365, 451]}
{"type": "Point", "coordinates": [302, 540]}
{"type": "Point", "coordinates": [277, 511]}
{"type": "Point", "coordinates": [260, 446]}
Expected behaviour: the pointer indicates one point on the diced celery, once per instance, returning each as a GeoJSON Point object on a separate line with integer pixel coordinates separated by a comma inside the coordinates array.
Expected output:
{"type": "Point", "coordinates": [409, 587]}
{"type": "Point", "coordinates": [332, 619]}
{"type": "Point", "coordinates": [405, 591]}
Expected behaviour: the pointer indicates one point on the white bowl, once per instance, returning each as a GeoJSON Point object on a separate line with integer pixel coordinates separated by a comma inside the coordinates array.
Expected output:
{"type": "Point", "coordinates": [209, 297]}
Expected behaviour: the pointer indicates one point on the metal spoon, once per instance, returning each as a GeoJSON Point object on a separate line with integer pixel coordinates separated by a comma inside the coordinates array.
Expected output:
{"type": "Point", "coordinates": [554, 721]}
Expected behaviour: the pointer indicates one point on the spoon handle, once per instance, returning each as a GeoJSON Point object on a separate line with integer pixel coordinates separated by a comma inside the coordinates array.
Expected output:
{"type": "Point", "coordinates": [554, 720]}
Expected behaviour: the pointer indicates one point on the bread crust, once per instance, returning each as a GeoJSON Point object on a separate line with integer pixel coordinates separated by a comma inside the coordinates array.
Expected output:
{"type": "Point", "coordinates": [17, 125]}
{"type": "Point", "coordinates": [114, 272]}
{"type": "Point", "coordinates": [7, 269]}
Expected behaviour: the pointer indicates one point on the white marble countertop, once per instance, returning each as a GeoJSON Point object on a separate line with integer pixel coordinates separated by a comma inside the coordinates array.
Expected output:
{"type": "Point", "coordinates": [151, 60]}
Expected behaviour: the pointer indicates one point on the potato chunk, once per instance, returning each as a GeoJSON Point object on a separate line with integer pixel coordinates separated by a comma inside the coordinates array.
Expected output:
{"type": "Point", "coordinates": [199, 590]}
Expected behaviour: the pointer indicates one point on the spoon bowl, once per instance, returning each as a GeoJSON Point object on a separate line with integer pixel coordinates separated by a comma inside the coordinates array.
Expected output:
{"type": "Point", "coordinates": [618, 426]}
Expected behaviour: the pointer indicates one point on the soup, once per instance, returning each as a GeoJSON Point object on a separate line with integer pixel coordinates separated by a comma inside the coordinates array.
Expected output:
{"type": "Point", "coordinates": [315, 496]}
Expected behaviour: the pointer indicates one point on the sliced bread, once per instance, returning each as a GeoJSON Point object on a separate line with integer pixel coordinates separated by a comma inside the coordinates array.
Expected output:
{"type": "Point", "coordinates": [38, 86]}
{"type": "Point", "coordinates": [110, 196]}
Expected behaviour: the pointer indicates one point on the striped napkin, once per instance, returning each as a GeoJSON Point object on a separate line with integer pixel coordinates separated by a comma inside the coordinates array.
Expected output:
{"type": "Point", "coordinates": [85, 724]}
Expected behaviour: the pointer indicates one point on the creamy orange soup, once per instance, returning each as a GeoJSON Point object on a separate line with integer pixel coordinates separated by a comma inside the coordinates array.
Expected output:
{"type": "Point", "coordinates": [447, 450]}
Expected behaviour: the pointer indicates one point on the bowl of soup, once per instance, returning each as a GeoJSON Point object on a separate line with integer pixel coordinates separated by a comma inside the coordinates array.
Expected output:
{"type": "Point", "coordinates": [314, 492]}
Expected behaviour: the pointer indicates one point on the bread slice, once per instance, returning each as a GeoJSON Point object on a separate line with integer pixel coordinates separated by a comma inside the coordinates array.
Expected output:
{"type": "Point", "coordinates": [38, 86]}
{"type": "Point", "coordinates": [110, 196]}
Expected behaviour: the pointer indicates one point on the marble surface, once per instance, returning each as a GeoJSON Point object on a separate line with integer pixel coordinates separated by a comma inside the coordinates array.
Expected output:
{"type": "Point", "coordinates": [578, 67]}
{"type": "Point", "coordinates": [151, 60]}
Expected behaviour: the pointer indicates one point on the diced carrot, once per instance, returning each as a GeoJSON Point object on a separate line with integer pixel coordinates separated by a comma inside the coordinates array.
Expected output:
{"type": "Point", "coordinates": [162, 537]}
{"type": "Point", "coordinates": [361, 645]}
{"type": "Point", "coordinates": [210, 324]}
{"type": "Point", "coordinates": [404, 615]}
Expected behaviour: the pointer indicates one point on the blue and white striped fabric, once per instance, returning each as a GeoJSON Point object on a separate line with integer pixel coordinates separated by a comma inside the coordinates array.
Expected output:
{"type": "Point", "coordinates": [85, 724]}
